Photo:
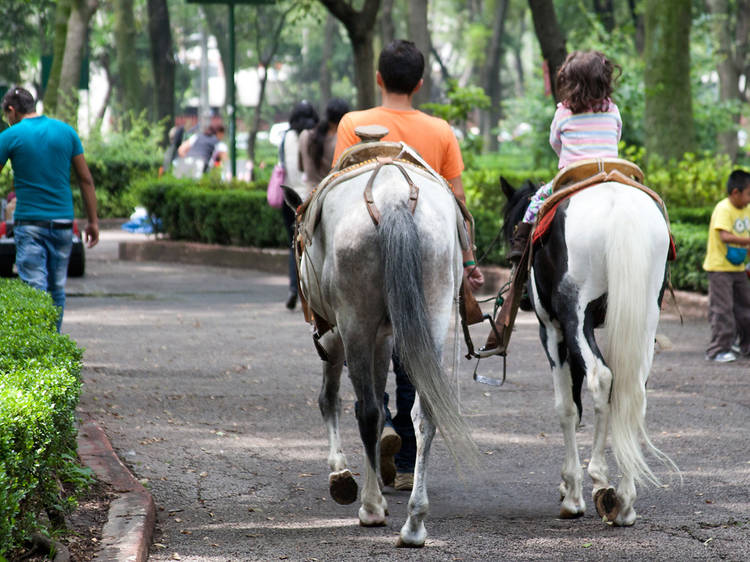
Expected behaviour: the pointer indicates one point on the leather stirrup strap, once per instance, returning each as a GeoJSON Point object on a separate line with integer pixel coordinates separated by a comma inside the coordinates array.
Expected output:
{"type": "Point", "coordinates": [370, 201]}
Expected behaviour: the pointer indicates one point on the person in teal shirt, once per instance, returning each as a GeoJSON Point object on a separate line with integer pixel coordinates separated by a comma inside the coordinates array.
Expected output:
{"type": "Point", "coordinates": [42, 151]}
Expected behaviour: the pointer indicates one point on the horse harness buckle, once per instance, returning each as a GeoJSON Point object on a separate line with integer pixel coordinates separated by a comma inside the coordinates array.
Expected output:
{"type": "Point", "coordinates": [369, 199]}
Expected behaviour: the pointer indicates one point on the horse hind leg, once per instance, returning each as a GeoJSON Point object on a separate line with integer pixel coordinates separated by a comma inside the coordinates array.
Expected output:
{"type": "Point", "coordinates": [599, 379]}
{"type": "Point", "coordinates": [413, 533]}
{"type": "Point", "coordinates": [341, 483]}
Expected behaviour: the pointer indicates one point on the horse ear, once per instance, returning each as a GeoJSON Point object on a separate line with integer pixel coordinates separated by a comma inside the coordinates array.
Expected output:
{"type": "Point", "coordinates": [508, 189]}
{"type": "Point", "coordinates": [291, 197]}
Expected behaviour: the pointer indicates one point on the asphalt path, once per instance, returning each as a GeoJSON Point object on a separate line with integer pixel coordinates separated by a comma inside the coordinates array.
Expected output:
{"type": "Point", "coordinates": [207, 388]}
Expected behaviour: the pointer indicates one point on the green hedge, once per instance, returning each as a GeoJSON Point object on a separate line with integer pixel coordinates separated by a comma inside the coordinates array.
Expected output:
{"type": "Point", "coordinates": [39, 390]}
{"type": "Point", "coordinates": [213, 212]}
{"type": "Point", "coordinates": [687, 269]}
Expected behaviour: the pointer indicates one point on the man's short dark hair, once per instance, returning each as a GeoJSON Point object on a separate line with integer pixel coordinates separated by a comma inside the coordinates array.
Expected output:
{"type": "Point", "coordinates": [21, 100]}
{"type": "Point", "coordinates": [738, 179]}
{"type": "Point", "coordinates": [401, 66]}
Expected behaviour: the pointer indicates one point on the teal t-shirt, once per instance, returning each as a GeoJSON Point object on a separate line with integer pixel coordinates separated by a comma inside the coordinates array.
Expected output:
{"type": "Point", "coordinates": [41, 151]}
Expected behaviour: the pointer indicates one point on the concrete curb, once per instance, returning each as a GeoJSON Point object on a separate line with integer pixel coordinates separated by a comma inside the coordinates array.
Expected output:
{"type": "Point", "coordinates": [263, 259]}
{"type": "Point", "coordinates": [126, 536]}
{"type": "Point", "coordinates": [691, 305]}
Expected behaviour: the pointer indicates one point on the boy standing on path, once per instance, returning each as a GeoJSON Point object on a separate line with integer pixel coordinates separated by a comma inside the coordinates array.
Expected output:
{"type": "Point", "coordinates": [728, 285]}
{"type": "Point", "coordinates": [399, 77]}
{"type": "Point", "coordinates": [41, 151]}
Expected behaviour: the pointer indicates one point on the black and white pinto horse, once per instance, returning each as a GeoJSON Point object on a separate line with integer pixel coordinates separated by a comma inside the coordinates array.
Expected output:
{"type": "Point", "coordinates": [602, 263]}
{"type": "Point", "coordinates": [394, 283]}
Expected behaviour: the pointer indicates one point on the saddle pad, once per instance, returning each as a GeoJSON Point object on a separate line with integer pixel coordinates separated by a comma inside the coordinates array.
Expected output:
{"type": "Point", "coordinates": [545, 220]}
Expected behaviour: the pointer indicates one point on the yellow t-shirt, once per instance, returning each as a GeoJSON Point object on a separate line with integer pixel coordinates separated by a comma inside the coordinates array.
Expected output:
{"type": "Point", "coordinates": [430, 136]}
{"type": "Point", "coordinates": [731, 219]}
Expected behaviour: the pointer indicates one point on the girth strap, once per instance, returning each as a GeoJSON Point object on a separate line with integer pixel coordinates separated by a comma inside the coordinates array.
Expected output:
{"type": "Point", "coordinates": [370, 201]}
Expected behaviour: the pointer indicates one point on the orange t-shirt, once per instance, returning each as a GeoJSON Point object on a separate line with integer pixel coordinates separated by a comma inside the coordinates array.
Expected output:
{"type": "Point", "coordinates": [430, 136]}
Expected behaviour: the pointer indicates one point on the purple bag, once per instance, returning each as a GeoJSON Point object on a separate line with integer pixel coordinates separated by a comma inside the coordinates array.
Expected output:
{"type": "Point", "coordinates": [275, 194]}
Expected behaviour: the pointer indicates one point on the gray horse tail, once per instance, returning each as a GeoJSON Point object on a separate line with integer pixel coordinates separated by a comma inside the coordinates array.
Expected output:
{"type": "Point", "coordinates": [413, 341]}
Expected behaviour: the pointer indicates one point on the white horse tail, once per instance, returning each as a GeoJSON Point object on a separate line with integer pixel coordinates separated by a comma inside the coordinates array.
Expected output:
{"type": "Point", "coordinates": [631, 267]}
{"type": "Point", "coordinates": [412, 335]}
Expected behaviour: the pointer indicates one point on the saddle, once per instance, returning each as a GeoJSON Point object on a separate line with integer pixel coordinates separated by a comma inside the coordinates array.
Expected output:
{"type": "Point", "coordinates": [567, 182]}
{"type": "Point", "coordinates": [370, 155]}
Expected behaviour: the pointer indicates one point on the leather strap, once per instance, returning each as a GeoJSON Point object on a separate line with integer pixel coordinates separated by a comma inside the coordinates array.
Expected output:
{"type": "Point", "coordinates": [370, 201]}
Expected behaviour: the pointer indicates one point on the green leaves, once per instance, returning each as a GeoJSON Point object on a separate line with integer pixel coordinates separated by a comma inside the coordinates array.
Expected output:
{"type": "Point", "coordinates": [39, 390]}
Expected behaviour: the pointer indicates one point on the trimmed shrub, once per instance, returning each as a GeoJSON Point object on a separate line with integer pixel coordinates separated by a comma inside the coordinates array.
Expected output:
{"type": "Point", "coordinates": [687, 269]}
{"type": "Point", "coordinates": [39, 391]}
{"type": "Point", "coordinates": [213, 212]}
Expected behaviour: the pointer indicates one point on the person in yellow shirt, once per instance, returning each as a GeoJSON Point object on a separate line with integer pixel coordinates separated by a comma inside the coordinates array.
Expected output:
{"type": "Point", "coordinates": [728, 285]}
{"type": "Point", "coordinates": [399, 77]}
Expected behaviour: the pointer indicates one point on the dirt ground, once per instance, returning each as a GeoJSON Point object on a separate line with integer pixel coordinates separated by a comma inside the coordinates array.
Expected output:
{"type": "Point", "coordinates": [207, 388]}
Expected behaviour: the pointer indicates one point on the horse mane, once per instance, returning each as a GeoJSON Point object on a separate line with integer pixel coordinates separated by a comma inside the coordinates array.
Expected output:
{"type": "Point", "coordinates": [516, 202]}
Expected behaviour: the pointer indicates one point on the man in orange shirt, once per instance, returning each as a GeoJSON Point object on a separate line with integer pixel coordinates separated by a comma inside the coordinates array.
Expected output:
{"type": "Point", "coordinates": [399, 77]}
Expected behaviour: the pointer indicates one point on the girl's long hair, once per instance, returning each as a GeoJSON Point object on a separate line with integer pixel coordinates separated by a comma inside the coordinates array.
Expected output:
{"type": "Point", "coordinates": [335, 110]}
{"type": "Point", "coordinates": [585, 81]}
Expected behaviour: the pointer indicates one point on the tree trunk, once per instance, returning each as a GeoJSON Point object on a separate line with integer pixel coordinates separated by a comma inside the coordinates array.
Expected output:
{"type": "Point", "coordinates": [265, 59]}
{"type": "Point", "coordinates": [359, 26]}
{"type": "Point", "coordinates": [491, 116]}
{"type": "Point", "coordinates": [420, 34]}
{"type": "Point", "coordinates": [729, 67]}
{"type": "Point", "coordinates": [606, 12]}
{"type": "Point", "coordinates": [387, 29]}
{"type": "Point", "coordinates": [75, 43]}
{"type": "Point", "coordinates": [668, 115]}
{"type": "Point", "coordinates": [637, 18]}
{"type": "Point", "coordinates": [162, 62]}
{"type": "Point", "coordinates": [127, 61]}
{"type": "Point", "coordinates": [62, 13]}
{"type": "Point", "coordinates": [550, 37]}
{"type": "Point", "coordinates": [216, 21]}
{"type": "Point", "coordinates": [325, 63]}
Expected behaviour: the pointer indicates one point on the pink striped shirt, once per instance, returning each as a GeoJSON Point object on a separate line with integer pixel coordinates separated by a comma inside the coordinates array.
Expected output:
{"type": "Point", "coordinates": [582, 136]}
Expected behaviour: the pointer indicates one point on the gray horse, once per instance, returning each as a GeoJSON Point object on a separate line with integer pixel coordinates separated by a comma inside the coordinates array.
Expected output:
{"type": "Point", "coordinates": [394, 283]}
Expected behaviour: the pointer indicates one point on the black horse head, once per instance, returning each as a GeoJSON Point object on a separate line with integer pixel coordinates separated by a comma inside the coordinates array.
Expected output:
{"type": "Point", "coordinates": [515, 206]}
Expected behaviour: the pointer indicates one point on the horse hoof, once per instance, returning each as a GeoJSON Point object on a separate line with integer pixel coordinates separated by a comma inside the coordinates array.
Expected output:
{"type": "Point", "coordinates": [400, 543]}
{"type": "Point", "coordinates": [367, 519]}
{"type": "Point", "coordinates": [567, 514]}
{"type": "Point", "coordinates": [607, 505]}
{"type": "Point", "coordinates": [343, 487]}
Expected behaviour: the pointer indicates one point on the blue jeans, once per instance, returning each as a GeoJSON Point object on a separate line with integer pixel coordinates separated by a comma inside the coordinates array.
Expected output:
{"type": "Point", "coordinates": [401, 422]}
{"type": "Point", "coordinates": [42, 256]}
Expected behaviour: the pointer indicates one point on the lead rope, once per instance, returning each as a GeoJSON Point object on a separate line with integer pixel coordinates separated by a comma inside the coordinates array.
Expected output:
{"type": "Point", "coordinates": [457, 351]}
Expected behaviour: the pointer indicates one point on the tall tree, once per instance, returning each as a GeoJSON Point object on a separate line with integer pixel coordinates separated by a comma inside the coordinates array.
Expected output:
{"type": "Point", "coordinates": [325, 60]}
{"type": "Point", "coordinates": [266, 18]}
{"type": "Point", "coordinates": [668, 115]}
{"type": "Point", "coordinates": [491, 77]}
{"type": "Point", "coordinates": [550, 36]}
{"type": "Point", "coordinates": [387, 29]}
{"type": "Point", "coordinates": [162, 60]}
{"type": "Point", "coordinates": [731, 26]}
{"type": "Point", "coordinates": [605, 9]}
{"type": "Point", "coordinates": [127, 59]}
{"type": "Point", "coordinates": [62, 13]}
{"type": "Point", "coordinates": [74, 50]}
{"type": "Point", "coordinates": [360, 26]}
{"type": "Point", "coordinates": [420, 34]}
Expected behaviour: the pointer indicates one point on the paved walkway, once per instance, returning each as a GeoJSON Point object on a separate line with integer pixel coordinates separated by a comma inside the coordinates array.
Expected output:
{"type": "Point", "coordinates": [207, 389]}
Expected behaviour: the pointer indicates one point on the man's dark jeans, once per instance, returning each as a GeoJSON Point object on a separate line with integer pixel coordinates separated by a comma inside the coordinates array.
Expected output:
{"type": "Point", "coordinates": [401, 422]}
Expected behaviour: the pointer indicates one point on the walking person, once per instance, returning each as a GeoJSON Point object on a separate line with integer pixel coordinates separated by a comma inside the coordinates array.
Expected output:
{"type": "Point", "coordinates": [303, 117]}
{"type": "Point", "coordinates": [316, 145]}
{"type": "Point", "coordinates": [399, 77]}
{"type": "Point", "coordinates": [42, 151]}
{"type": "Point", "coordinates": [728, 285]}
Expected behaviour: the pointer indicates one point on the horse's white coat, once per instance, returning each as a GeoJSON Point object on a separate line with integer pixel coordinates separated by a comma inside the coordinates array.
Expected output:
{"type": "Point", "coordinates": [617, 243]}
{"type": "Point", "coordinates": [342, 276]}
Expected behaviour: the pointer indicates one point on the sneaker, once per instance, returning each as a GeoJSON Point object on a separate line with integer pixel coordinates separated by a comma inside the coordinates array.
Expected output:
{"type": "Point", "coordinates": [390, 444]}
{"type": "Point", "coordinates": [735, 348]}
{"type": "Point", "coordinates": [404, 481]}
{"type": "Point", "coordinates": [723, 357]}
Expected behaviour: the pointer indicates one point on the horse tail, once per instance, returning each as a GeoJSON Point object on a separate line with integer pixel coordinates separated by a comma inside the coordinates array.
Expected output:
{"type": "Point", "coordinates": [632, 260]}
{"type": "Point", "coordinates": [413, 339]}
